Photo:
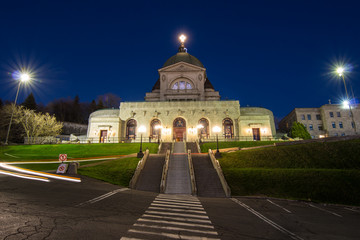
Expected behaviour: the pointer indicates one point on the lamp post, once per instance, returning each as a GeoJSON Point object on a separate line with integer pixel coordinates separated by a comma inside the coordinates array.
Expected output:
{"type": "Point", "coordinates": [340, 71]}
{"type": "Point", "coordinates": [24, 77]}
{"type": "Point", "coordinates": [216, 130]}
{"type": "Point", "coordinates": [141, 130]}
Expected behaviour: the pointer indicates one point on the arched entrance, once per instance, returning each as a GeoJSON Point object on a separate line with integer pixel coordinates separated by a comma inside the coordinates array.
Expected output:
{"type": "Point", "coordinates": [179, 129]}
{"type": "Point", "coordinates": [204, 130]}
{"type": "Point", "coordinates": [131, 129]}
{"type": "Point", "coordinates": [228, 128]}
{"type": "Point", "coordinates": [155, 129]}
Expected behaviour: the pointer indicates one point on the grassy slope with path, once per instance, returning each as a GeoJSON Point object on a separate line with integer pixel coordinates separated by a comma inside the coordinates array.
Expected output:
{"type": "Point", "coordinates": [118, 171]}
{"type": "Point", "coordinates": [326, 172]}
{"type": "Point", "coordinates": [52, 151]}
{"type": "Point", "coordinates": [241, 144]}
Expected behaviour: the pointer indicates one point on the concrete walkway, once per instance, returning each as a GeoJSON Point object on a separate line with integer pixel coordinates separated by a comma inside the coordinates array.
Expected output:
{"type": "Point", "coordinates": [178, 178]}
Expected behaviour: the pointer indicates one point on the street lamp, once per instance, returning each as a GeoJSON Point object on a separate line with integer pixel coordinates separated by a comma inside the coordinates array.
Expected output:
{"type": "Point", "coordinates": [216, 130]}
{"type": "Point", "coordinates": [141, 130]}
{"type": "Point", "coordinates": [23, 78]}
{"type": "Point", "coordinates": [340, 71]}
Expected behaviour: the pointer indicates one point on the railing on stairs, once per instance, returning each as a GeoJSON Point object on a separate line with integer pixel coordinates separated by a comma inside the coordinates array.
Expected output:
{"type": "Point", "coordinates": [159, 148]}
{"type": "Point", "coordinates": [165, 172]}
{"type": "Point", "coordinates": [138, 170]}
{"type": "Point", "coordinates": [192, 174]}
{"type": "Point", "coordinates": [198, 146]}
{"type": "Point", "coordinates": [220, 173]}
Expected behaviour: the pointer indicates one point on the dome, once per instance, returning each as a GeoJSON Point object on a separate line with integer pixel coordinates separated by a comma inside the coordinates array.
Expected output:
{"type": "Point", "coordinates": [183, 57]}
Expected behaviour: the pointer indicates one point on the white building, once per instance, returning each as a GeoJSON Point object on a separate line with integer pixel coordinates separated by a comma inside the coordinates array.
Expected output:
{"type": "Point", "coordinates": [183, 105]}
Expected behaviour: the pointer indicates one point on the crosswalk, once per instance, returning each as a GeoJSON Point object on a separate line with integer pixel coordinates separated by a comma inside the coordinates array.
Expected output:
{"type": "Point", "coordinates": [173, 217]}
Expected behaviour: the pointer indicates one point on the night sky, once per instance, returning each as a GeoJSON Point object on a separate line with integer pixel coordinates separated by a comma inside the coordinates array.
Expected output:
{"type": "Point", "coordinates": [273, 54]}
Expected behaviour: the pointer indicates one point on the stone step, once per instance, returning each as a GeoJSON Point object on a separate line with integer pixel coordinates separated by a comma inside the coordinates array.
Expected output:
{"type": "Point", "coordinates": [150, 177]}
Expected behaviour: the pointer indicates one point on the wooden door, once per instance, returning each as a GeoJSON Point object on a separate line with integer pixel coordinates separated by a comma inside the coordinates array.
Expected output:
{"type": "Point", "coordinates": [256, 134]}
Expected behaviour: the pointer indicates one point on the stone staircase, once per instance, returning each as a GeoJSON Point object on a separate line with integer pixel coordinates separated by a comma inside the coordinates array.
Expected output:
{"type": "Point", "coordinates": [207, 180]}
{"type": "Point", "coordinates": [192, 146]}
{"type": "Point", "coordinates": [178, 177]}
{"type": "Point", "coordinates": [164, 147]}
{"type": "Point", "coordinates": [150, 177]}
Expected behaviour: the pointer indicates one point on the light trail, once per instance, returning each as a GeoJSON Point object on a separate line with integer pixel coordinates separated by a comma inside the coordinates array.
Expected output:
{"type": "Point", "coordinates": [20, 175]}
{"type": "Point", "coordinates": [49, 175]}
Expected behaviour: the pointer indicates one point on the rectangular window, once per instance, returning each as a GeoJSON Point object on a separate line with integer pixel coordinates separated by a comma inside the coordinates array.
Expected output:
{"type": "Point", "coordinates": [333, 124]}
{"type": "Point", "coordinates": [320, 127]}
{"type": "Point", "coordinates": [341, 125]}
{"type": "Point", "coordinates": [343, 134]}
{"type": "Point", "coordinates": [309, 117]}
{"type": "Point", "coordinates": [338, 114]}
{"type": "Point", "coordinates": [336, 134]}
{"type": "Point", "coordinates": [305, 126]}
{"type": "Point", "coordinates": [302, 117]}
{"type": "Point", "coordinates": [311, 127]}
{"type": "Point", "coordinates": [352, 124]}
{"type": "Point", "coordinates": [331, 114]}
{"type": "Point", "coordinates": [318, 117]}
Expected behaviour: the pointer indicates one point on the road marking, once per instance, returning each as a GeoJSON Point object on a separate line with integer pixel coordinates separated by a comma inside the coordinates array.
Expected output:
{"type": "Point", "coordinates": [324, 210]}
{"type": "Point", "coordinates": [176, 223]}
{"type": "Point", "coordinates": [177, 206]}
{"type": "Point", "coordinates": [278, 206]}
{"type": "Point", "coordinates": [177, 214]}
{"type": "Point", "coordinates": [177, 210]}
{"type": "Point", "coordinates": [106, 195]}
{"type": "Point", "coordinates": [268, 221]}
{"type": "Point", "coordinates": [351, 209]}
{"type": "Point", "coordinates": [171, 235]}
{"type": "Point", "coordinates": [10, 155]}
{"type": "Point", "coordinates": [177, 218]}
{"type": "Point", "coordinates": [173, 220]}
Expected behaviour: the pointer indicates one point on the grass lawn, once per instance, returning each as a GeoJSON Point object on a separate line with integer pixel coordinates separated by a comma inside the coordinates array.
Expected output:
{"type": "Point", "coordinates": [52, 151]}
{"type": "Point", "coordinates": [325, 172]}
{"type": "Point", "coordinates": [119, 171]}
{"type": "Point", "coordinates": [241, 144]}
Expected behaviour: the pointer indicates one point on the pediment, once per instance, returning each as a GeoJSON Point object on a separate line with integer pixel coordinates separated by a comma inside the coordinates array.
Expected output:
{"type": "Point", "coordinates": [181, 67]}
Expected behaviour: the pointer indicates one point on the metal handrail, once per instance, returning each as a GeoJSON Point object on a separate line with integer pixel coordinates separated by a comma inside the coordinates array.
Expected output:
{"type": "Point", "coordinates": [165, 172]}
{"type": "Point", "coordinates": [192, 174]}
{"type": "Point", "coordinates": [139, 168]}
{"type": "Point", "coordinates": [220, 173]}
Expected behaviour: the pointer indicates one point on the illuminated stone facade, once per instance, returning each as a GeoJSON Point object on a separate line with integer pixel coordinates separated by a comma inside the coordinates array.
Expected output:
{"type": "Point", "coordinates": [183, 106]}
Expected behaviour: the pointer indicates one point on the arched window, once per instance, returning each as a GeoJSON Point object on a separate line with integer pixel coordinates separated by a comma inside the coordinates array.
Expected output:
{"type": "Point", "coordinates": [203, 129]}
{"type": "Point", "coordinates": [228, 128]}
{"type": "Point", "coordinates": [181, 84]}
{"type": "Point", "coordinates": [155, 129]}
{"type": "Point", "coordinates": [131, 129]}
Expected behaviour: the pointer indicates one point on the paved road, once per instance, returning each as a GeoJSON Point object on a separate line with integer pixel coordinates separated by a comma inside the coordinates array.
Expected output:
{"type": "Point", "coordinates": [96, 210]}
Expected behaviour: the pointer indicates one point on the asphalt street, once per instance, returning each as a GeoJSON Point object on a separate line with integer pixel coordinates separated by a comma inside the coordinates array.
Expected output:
{"type": "Point", "coordinates": [96, 210]}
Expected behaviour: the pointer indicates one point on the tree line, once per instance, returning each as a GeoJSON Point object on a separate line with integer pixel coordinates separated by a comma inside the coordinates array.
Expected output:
{"type": "Point", "coordinates": [31, 119]}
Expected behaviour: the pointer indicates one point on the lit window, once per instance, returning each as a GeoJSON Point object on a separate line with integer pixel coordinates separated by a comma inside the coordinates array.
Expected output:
{"type": "Point", "coordinates": [333, 124]}
{"type": "Point", "coordinates": [318, 117]}
{"type": "Point", "coordinates": [302, 117]}
{"type": "Point", "coordinates": [338, 114]}
{"type": "Point", "coordinates": [331, 114]}
{"type": "Point", "coordinates": [341, 125]}
{"type": "Point", "coordinates": [175, 86]}
{"type": "Point", "coordinates": [182, 85]}
{"type": "Point", "coordinates": [188, 86]}
{"type": "Point", "coordinates": [309, 117]}
{"type": "Point", "coordinates": [311, 127]}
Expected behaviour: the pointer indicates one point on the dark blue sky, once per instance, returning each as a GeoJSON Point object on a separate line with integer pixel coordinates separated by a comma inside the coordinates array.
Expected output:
{"type": "Point", "coordinates": [273, 54]}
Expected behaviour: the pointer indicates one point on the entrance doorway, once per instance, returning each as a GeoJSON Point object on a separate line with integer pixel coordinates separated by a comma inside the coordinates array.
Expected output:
{"type": "Point", "coordinates": [179, 128]}
{"type": "Point", "coordinates": [103, 136]}
{"type": "Point", "coordinates": [256, 134]}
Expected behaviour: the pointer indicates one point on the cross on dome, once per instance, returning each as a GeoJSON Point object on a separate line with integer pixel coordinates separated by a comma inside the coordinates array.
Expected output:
{"type": "Point", "coordinates": [182, 38]}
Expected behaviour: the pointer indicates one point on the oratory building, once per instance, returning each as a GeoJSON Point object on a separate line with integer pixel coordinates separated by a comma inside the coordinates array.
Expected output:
{"type": "Point", "coordinates": [182, 106]}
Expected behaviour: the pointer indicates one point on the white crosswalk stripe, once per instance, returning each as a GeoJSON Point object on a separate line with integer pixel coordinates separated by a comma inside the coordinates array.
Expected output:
{"type": "Point", "coordinates": [173, 217]}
